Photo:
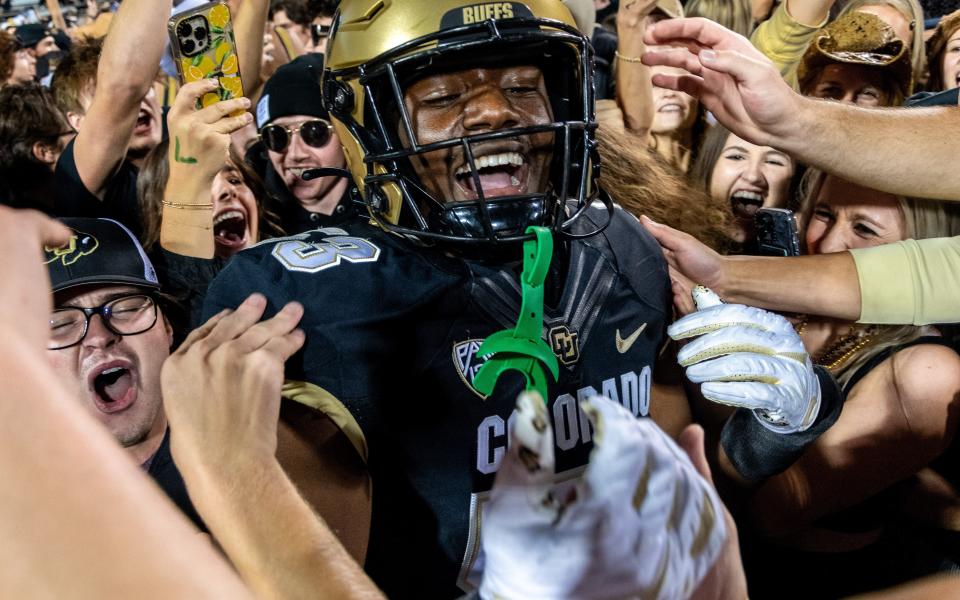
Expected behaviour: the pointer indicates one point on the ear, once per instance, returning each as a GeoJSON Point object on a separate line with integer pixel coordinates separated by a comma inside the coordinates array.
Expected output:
{"type": "Point", "coordinates": [167, 330]}
{"type": "Point", "coordinates": [75, 119]}
{"type": "Point", "coordinates": [44, 153]}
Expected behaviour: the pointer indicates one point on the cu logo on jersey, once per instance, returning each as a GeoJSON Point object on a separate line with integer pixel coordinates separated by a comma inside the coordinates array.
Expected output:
{"type": "Point", "coordinates": [565, 344]}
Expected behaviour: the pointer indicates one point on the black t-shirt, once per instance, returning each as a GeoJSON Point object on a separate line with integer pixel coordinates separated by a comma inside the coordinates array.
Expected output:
{"type": "Point", "coordinates": [392, 338]}
{"type": "Point", "coordinates": [73, 199]}
{"type": "Point", "coordinates": [163, 471]}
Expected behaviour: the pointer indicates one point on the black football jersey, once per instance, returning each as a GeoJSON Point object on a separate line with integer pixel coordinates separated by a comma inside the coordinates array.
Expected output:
{"type": "Point", "coordinates": [392, 332]}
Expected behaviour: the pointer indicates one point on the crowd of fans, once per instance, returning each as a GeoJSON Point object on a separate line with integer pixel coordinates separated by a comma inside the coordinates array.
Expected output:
{"type": "Point", "coordinates": [345, 234]}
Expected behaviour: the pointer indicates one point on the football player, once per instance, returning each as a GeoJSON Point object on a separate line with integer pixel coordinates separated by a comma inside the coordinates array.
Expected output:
{"type": "Point", "coordinates": [463, 124]}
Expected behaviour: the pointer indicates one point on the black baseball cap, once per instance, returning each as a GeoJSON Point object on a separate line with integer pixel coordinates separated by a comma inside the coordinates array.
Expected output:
{"type": "Point", "coordinates": [30, 35]}
{"type": "Point", "coordinates": [100, 251]}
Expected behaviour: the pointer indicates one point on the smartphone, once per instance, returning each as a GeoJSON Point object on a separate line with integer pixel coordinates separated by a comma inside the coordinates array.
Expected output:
{"type": "Point", "coordinates": [204, 47]}
{"type": "Point", "coordinates": [776, 232]}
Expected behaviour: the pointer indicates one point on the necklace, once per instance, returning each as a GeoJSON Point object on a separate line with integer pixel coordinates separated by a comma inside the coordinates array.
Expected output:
{"type": "Point", "coordinates": [833, 357]}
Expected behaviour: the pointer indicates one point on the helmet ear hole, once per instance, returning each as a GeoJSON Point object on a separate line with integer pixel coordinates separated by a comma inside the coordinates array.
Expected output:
{"type": "Point", "coordinates": [339, 97]}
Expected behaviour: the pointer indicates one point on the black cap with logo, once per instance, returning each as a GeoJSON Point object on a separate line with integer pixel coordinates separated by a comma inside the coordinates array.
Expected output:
{"type": "Point", "coordinates": [100, 251]}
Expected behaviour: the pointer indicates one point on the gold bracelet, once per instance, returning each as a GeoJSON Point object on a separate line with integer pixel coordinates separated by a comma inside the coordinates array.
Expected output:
{"type": "Point", "coordinates": [629, 59]}
{"type": "Point", "coordinates": [188, 206]}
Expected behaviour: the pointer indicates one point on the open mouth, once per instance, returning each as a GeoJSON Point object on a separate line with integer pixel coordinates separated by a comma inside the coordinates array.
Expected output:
{"type": "Point", "coordinates": [745, 204]}
{"type": "Point", "coordinates": [502, 174]}
{"type": "Point", "coordinates": [230, 229]}
{"type": "Point", "coordinates": [114, 387]}
{"type": "Point", "coordinates": [670, 108]}
{"type": "Point", "coordinates": [144, 121]}
{"type": "Point", "coordinates": [299, 171]}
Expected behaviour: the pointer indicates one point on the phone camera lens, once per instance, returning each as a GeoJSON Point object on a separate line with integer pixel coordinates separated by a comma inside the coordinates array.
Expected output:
{"type": "Point", "coordinates": [185, 29]}
{"type": "Point", "coordinates": [200, 33]}
{"type": "Point", "coordinates": [189, 46]}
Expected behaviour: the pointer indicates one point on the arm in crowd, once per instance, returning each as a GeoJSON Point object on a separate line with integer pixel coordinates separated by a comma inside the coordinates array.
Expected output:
{"type": "Point", "coordinates": [199, 147]}
{"type": "Point", "coordinates": [895, 421]}
{"type": "Point", "coordinates": [900, 151]}
{"type": "Point", "coordinates": [68, 486]}
{"type": "Point", "coordinates": [250, 25]}
{"type": "Point", "coordinates": [128, 66]}
{"type": "Point", "coordinates": [784, 37]}
{"type": "Point", "coordinates": [634, 90]}
{"type": "Point", "coordinates": [913, 281]}
{"type": "Point", "coordinates": [222, 395]}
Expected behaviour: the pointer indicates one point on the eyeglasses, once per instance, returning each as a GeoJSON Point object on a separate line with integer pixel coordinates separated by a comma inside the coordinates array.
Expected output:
{"type": "Point", "coordinates": [319, 32]}
{"type": "Point", "coordinates": [315, 132]}
{"type": "Point", "coordinates": [127, 315]}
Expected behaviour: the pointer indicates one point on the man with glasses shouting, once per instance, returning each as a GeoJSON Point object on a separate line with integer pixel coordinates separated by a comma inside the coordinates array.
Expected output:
{"type": "Point", "coordinates": [297, 136]}
{"type": "Point", "coordinates": [108, 340]}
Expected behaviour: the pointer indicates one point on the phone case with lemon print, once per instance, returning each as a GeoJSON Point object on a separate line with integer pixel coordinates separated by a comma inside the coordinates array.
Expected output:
{"type": "Point", "coordinates": [204, 48]}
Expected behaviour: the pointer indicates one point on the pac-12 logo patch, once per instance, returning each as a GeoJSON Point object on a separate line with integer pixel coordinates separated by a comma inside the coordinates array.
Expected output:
{"type": "Point", "coordinates": [468, 362]}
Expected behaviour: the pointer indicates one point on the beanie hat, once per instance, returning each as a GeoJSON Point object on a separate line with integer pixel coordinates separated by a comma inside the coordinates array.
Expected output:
{"type": "Point", "coordinates": [293, 90]}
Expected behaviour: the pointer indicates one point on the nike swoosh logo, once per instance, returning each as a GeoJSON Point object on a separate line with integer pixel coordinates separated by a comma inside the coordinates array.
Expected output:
{"type": "Point", "coordinates": [624, 344]}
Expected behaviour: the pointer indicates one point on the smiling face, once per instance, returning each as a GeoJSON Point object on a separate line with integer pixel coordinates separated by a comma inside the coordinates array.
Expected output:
{"type": "Point", "coordinates": [321, 194]}
{"type": "Point", "coordinates": [853, 84]}
{"type": "Point", "coordinates": [847, 216]}
{"type": "Point", "coordinates": [475, 101]}
{"type": "Point", "coordinates": [235, 214]}
{"type": "Point", "coordinates": [750, 177]}
{"type": "Point", "coordinates": [950, 65]}
{"type": "Point", "coordinates": [116, 377]}
{"type": "Point", "coordinates": [672, 111]}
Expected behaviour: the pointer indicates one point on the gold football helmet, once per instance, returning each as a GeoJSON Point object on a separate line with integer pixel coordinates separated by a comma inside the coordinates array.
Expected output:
{"type": "Point", "coordinates": [379, 47]}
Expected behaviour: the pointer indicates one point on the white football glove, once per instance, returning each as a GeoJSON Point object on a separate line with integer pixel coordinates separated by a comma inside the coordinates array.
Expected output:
{"type": "Point", "coordinates": [641, 522]}
{"type": "Point", "coordinates": [750, 358]}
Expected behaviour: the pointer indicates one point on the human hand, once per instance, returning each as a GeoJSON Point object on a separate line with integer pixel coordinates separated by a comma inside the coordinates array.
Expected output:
{"type": "Point", "coordinates": [200, 139]}
{"type": "Point", "coordinates": [733, 80]}
{"type": "Point", "coordinates": [688, 256]}
{"type": "Point", "coordinates": [642, 522]}
{"type": "Point", "coordinates": [221, 389]}
{"type": "Point", "coordinates": [25, 297]}
{"type": "Point", "coordinates": [268, 62]}
{"type": "Point", "coordinates": [749, 358]}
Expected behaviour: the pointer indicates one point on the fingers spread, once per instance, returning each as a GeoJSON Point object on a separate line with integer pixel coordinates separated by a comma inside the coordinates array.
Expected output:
{"type": "Point", "coordinates": [281, 324]}
{"type": "Point", "coordinates": [202, 331]}
{"type": "Point", "coordinates": [233, 325]}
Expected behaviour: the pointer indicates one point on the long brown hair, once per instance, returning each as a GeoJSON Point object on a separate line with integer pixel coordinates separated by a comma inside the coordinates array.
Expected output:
{"type": "Point", "coordinates": [640, 181]}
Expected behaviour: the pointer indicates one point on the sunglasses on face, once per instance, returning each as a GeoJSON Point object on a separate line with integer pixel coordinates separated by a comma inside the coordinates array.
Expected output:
{"type": "Point", "coordinates": [315, 133]}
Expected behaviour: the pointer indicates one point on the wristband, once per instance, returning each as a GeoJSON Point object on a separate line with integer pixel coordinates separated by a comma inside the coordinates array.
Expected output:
{"type": "Point", "coordinates": [758, 452]}
{"type": "Point", "coordinates": [629, 59]}
{"type": "Point", "coordinates": [183, 206]}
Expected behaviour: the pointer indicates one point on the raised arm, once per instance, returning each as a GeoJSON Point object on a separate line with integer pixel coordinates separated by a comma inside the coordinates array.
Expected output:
{"type": "Point", "coordinates": [222, 394]}
{"type": "Point", "coordinates": [199, 147]}
{"type": "Point", "coordinates": [901, 151]}
{"type": "Point", "coordinates": [61, 469]}
{"type": "Point", "coordinates": [250, 25]}
{"type": "Point", "coordinates": [634, 94]}
{"type": "Point", "coordinates": [128, 66]}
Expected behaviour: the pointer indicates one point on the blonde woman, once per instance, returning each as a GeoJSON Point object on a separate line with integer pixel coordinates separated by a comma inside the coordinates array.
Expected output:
{"type": "Point", "coordinates": [837, 512]}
